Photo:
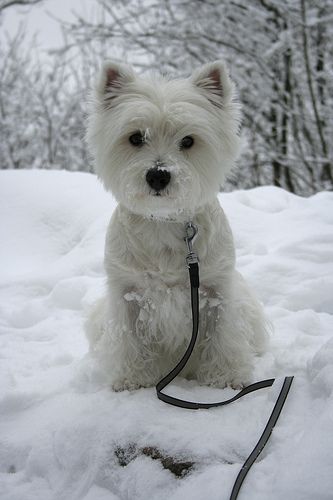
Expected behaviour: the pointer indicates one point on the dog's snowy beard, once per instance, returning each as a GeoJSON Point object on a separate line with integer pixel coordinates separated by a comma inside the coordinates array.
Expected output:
{"type": "Point", "coordinates": [177, 200]}
{"type": "Point", "coordinates": [164, 114]}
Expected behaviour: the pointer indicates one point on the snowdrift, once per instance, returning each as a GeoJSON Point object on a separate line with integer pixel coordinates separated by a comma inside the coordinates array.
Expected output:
{"type": "Point", "coordinates": [64, 435]}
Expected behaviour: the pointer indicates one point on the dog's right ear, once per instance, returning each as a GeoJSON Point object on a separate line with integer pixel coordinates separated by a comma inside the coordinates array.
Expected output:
{"type": "Point", "coordinates": [213, 81]}
{"type": "Point", "coordinates": [113, 80]}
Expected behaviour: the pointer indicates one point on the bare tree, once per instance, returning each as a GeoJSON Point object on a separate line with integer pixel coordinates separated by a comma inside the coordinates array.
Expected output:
{"type": "Point", "coordinates": [279, 54]}
{"type": "Point", "coordinates": [42, 109]}
{"type": "Point", "coordinates": [5, 4]}
{"type": "Point", "coordinates": [278, 57]}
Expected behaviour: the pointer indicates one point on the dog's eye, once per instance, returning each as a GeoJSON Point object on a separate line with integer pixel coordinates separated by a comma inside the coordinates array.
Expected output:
{"type": "Point", "coordinates": [187, 142]}
{"type": "Point", "coordinates": [137, 139]}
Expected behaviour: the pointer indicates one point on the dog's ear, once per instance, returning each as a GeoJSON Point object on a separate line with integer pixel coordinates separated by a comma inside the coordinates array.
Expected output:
{"type": "Point", "coordinates": [113, 80]}
{"type": "Point", "coordinates": [213, 80]}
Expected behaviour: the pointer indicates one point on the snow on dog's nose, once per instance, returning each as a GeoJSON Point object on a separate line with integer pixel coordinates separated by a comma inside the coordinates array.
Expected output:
{"type": "Point", "coordinates": [158, 178]}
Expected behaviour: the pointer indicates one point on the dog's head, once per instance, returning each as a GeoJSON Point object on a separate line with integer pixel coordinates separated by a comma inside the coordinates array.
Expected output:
{"type": "Point", "coordinates": [163, 147]}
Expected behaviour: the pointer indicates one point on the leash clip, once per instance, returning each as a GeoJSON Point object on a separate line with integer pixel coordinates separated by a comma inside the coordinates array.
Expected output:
{"type": "Point", "coordinates": [191, 234]}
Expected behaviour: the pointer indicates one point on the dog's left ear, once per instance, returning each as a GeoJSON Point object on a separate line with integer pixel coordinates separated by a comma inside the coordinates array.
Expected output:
{"type": "Point", "coordinates": [213, 80]}
{"type": "Point", "coordinates": [113, 79]}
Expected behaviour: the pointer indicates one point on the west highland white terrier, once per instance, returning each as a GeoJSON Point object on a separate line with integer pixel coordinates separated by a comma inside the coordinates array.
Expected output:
{"type": "Point", "coordinates": [163, 148]}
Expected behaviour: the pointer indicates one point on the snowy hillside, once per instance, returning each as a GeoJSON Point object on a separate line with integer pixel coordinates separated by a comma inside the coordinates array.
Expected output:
{"type": "Point", "coordinates": [64, 436]}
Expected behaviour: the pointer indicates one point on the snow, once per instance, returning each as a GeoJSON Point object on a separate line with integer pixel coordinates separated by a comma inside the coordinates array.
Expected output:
{"type": "Point", "coordinates": [62, 432]}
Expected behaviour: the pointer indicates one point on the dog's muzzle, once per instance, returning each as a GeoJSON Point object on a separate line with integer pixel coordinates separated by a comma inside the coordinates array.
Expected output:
{"type": "Point", "coordinates": [158, 178]}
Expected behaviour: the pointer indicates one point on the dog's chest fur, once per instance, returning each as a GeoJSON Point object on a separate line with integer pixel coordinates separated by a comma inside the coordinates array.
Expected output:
{"type": "Point", "coordinates": [138, 249]}
{"type": "Point", "coordinates": [146, 267]}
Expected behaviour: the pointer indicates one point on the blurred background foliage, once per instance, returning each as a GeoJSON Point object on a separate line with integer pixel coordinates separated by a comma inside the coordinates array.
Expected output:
{"type": "Point", "coordinates": [279, 53]}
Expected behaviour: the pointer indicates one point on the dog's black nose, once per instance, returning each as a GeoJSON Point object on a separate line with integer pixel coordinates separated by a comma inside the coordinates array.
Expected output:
{"type": "Point", "coordinates": [158, 178]}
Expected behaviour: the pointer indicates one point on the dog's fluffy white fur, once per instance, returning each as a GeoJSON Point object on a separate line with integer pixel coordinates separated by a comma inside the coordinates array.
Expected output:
{"type": "Point", "coordinates": [141, 328]}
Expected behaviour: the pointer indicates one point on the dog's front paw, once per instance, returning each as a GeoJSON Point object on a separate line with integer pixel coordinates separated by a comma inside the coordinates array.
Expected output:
{"type": "Point", "coordinates": [237, 381]}
{"type": "Point", "coordinates": [240, 380]}
{"type": "Point", "coordinates": [221, 380]}
{"type": "Point", "coordinates": [125, 385]}
{"type": "Point", "coordinates": [237, 386]}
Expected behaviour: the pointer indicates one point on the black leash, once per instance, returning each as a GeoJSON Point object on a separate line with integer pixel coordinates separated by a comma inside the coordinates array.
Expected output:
{"type": "Point", "coordinates": [193, 266]}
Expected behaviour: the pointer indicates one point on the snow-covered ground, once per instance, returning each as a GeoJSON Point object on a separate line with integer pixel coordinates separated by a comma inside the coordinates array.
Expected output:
{"type": "Point", "coordinates": [65, 436]}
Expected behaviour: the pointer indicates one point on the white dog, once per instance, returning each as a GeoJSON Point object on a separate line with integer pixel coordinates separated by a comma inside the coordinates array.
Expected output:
{"type": "Point", "coordinates": [163, 148]}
